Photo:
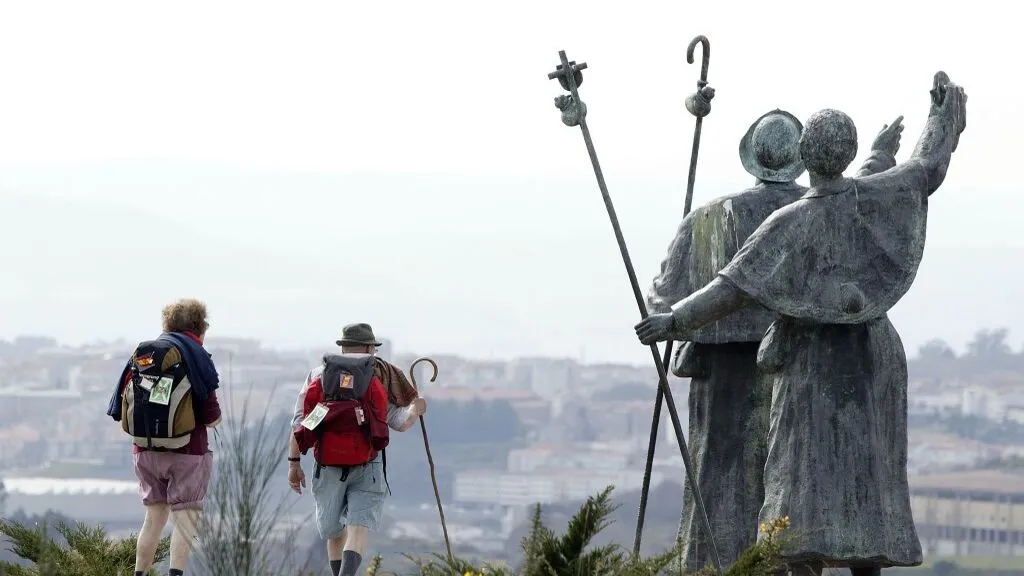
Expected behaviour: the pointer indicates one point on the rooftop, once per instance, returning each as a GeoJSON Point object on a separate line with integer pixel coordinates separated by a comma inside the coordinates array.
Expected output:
{"type": "Point", "coordinates": [485, 394]}
{"type": "Point", "coordinates": [69, 486]}
{"type": "Point", "coordinates": [994, 482]}
{"type": "Point", "coordinates": [20, 392]}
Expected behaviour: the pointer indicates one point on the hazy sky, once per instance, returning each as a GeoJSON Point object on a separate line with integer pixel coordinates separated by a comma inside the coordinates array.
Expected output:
{"type": "Point", "coordinates": [402, 163]}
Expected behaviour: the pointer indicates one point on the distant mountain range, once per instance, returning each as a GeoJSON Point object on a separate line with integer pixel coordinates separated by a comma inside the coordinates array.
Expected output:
{"type": "Point", "coordinates": [484, 267]}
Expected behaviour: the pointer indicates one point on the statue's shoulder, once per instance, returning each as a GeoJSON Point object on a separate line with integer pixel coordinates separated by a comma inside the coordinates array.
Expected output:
{"type": "Point", "coordinates": [756, 202]}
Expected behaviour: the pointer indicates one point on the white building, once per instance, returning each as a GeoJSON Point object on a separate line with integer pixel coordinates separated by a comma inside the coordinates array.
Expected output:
{"type": "Point", "coordinates": [514, 489]}
{"type": "Point", "coordinates": [86, 500]}
{"type": "Point", "coordinates": [978, 401]}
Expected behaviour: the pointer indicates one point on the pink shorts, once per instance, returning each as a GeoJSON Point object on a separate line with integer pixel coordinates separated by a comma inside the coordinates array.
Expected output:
{"type": "Point", "coordinates": [178, 480]}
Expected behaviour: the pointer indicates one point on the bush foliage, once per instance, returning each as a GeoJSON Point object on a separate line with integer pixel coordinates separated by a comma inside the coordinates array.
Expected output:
{"type": "Point", "coordinates": [87, 551]}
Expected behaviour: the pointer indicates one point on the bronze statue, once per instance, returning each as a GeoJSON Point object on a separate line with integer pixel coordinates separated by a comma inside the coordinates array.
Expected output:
{"type": "Point", "coordinates": [728, 401]}
{"type": "Point", "coordinates": [831, 265]}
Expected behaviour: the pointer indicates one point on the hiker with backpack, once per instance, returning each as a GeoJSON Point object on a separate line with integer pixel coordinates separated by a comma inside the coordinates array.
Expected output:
{"type": "Point", "coordinates": [165, 399]}
{"type": "Point", "coordinates": [344, 411]}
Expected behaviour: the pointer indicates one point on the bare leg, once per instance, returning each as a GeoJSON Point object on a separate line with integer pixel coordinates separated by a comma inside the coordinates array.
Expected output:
{"type": "Point", "coordinates": [182, 537]}
{"type": "Point", "coordinates": [335, 548]}
{"type": "Point", "coordinates": [355, 545]}
{"type": "Point", "coordinates": [149, 535]}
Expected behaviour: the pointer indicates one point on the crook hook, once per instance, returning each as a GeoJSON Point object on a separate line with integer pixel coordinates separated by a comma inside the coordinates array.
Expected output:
{"type": "Point", "coordinates": [699, 103]}
{"type": "Point", "coordinates": [412, 370]}
{"type": "Point", "coordinates": [705, 55]}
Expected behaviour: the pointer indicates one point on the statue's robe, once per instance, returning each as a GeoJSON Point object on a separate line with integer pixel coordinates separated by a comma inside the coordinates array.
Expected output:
{"type": "Point", "coordinates": [831, 265]}
{"type": "Point", "coordinates": [728, 406]}
{"type": "Point", "coordinates": [728, 402]}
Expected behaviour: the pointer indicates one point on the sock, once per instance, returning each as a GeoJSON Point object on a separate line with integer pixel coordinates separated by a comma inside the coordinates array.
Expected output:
{"type": "Point", "coordinates": [176, 572]}
{"type": "Point", "coordinates": [350, 563]}
{"type": "Point", "coordinates": [335, 567]}
{"type": "Point", "coordinates": [140, 573]}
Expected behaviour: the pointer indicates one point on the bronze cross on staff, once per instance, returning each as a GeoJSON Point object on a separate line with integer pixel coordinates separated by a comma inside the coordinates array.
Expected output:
{"type": "Point", "coordinates": [574, 112]}
{"type": "Point", "coordinates": [563, 76]}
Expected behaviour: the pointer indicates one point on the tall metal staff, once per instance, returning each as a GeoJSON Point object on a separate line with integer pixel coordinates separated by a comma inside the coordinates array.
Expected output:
{"type": "Point", "coordinates": [698, 104]}
{"type": "Point", "coordinates": [574, 111]}
{"type": "Point", "coordinates": [430, 459]}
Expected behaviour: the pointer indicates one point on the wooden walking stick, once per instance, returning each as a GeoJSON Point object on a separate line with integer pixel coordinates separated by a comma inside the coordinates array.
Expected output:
{"type": "Point", "coordinates": [574, 113]}
{"type": "Point", "coordinates": [698, 104]}
{"type": "Point", "coordinates": [430, 459]}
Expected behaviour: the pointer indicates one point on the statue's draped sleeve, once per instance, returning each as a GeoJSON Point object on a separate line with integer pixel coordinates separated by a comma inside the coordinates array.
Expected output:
{"type": "Point", "coordinates": [706, 240]}
{"type": "Point", "coordinates": [847, 252]}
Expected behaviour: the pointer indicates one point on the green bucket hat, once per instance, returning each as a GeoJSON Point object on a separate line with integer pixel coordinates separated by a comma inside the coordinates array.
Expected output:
{"type": "Point", "coordinates": [360, 334]}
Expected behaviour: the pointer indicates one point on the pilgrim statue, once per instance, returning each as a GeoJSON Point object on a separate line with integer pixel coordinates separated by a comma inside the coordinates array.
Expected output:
{"type": "Point", "coordinates": [830, 266]}
{"type": "Point", "coordinates": [728, 401]}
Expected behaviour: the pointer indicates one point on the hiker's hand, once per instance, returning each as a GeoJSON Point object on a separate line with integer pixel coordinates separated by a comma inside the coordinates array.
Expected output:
{"type": "Point", "coordinates": [418, 407]}
{"type": "Point", "coordinates": [655, 328]}
{"type": "Point", "coordinates": [296, 477]}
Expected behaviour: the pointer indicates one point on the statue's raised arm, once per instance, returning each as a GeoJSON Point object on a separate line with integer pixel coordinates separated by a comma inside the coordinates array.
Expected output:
{"type": "Point", "coordinates": [873, 224]}
{"type": "Point", "coordinates": [831, 265]}
{"type": "Point", "coordinates": [947, 119]}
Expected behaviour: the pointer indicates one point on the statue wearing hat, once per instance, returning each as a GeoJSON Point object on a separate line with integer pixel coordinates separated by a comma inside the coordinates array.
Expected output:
{"type": "Point", "coordinates": [831, 265]}
{"type": "Point", "coordinates": [729, 402]}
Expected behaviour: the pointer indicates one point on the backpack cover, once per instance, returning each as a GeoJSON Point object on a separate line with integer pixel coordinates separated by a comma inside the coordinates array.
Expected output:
{"type": "Point", "coordinates": [340, 439]}
{"type": "Point", "coordinates": [156, 404]}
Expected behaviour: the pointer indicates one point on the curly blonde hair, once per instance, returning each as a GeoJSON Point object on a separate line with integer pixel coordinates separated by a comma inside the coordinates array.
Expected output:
{"type": "Point", "coordinates": [185, 315]}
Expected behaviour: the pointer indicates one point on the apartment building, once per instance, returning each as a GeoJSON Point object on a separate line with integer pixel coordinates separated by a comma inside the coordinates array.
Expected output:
{"type": "Point", "coordinates": [971, 513]}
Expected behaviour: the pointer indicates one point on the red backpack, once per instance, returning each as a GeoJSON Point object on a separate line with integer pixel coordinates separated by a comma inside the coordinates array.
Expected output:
{"type": "Point", "coordinates": [355, 427]}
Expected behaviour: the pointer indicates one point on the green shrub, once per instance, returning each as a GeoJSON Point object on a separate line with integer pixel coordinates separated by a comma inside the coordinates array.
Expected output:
{"type": "Point", "coordinates": [570, 554]}
{"type": "Point", "coordinates": [86, 551]}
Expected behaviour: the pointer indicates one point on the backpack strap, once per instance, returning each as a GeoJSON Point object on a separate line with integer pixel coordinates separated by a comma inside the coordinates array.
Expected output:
{"type": "Point", "coordinates": [384, 462]}
{"type": "Point", "coordinates": [134, 381]}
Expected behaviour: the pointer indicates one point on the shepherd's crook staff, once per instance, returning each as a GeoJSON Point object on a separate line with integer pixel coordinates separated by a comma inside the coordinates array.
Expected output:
{"type": "Point", "coordinates": [430, 459]}
{"type": "Point", "coordinates": [574, 111]}
{"type": "Point", "coordinates": [698, 104]}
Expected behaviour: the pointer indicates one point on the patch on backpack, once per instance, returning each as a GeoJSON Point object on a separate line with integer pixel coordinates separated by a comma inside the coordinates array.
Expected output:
{"type": "Point", "coordinates": [144, 361]}
{"type": "Point", "coordinates": [346, 381]}
{"type": "Point", "coordinates": [161, 391]}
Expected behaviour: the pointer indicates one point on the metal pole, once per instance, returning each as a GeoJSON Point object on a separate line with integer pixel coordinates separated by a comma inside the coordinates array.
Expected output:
{"type": "Point", "coordinates": [569, 75]}
{"type": "Point", "coordinates": [705, 93]}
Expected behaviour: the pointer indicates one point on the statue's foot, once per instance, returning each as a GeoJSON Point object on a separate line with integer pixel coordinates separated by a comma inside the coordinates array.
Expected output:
{"type": "Point", "coordinates": [866, 571]}
{"type": "Point", "coordinates": [807, 569]}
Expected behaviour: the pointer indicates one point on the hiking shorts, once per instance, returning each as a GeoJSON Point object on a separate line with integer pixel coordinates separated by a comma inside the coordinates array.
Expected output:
{"type": "Point", "coordinates": [356, 501]}
{"type": "Point", "coordinates": [179, 480]}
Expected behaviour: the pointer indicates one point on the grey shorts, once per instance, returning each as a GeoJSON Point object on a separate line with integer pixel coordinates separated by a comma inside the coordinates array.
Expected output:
{"type": "Point", "coordinates": [358, 501]}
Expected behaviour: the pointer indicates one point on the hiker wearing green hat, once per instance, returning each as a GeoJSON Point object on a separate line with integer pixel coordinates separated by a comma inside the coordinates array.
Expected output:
{"type": "Point", "coordinates": [344, 411]}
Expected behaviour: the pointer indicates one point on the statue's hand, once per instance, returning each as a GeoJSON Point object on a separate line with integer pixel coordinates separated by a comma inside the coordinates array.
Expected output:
{"type": "Point", "coordinates": [950, 101]}
{"type": "Point", "coordinates": [955, 106]}
{"type": "Point", "coordinates": [888, 140]}
{"type": "Point", "coordinates": [938, 91]}
{"type": "Point", "coordinates": [655, 328]}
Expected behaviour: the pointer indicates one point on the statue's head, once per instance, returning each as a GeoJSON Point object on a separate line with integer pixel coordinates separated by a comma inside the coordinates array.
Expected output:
{"type": "Point", "coordinates": [829, 143]}
{"type": "Point", "coordinates": [770, 150]}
